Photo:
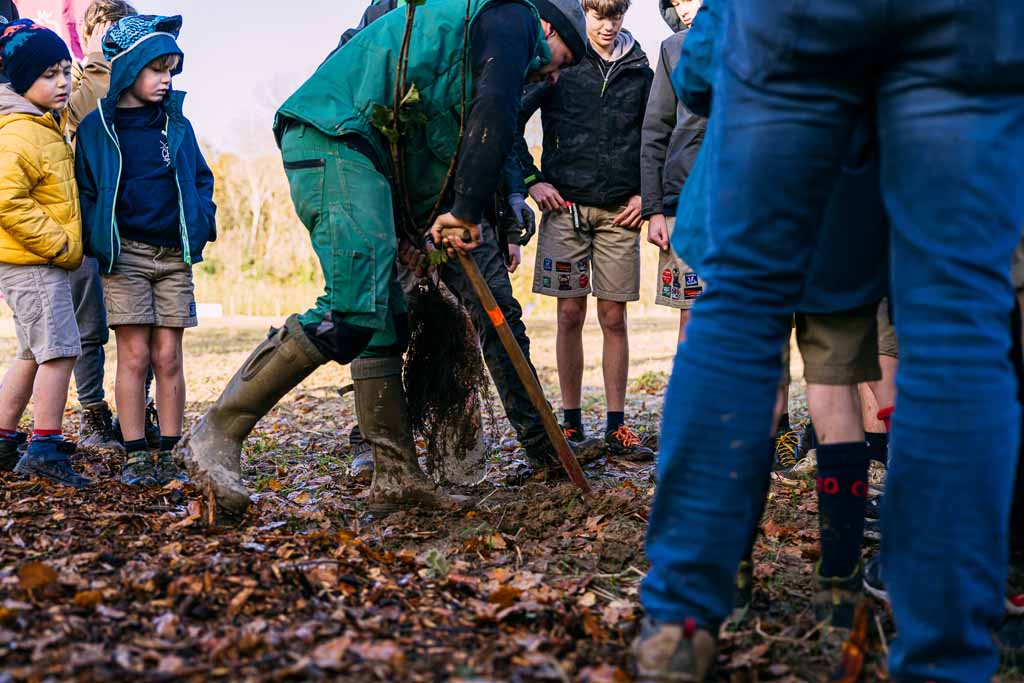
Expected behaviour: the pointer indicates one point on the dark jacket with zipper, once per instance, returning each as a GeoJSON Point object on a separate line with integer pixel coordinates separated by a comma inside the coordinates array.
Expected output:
{"type": "Point", "coordinates": [672, 134]}
{"type": "Point", "coordinates": [98, 167]}
{"type": "Point", "coordinates": [592, 118]}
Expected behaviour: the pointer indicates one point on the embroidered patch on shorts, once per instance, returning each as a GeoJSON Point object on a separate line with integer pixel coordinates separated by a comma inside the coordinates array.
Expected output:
{"type": "Point", "coordinates": [563, 267]}
{"type": "Point", "coordinates": [584, 281]}
{"type": "Point", "coordinates": [548, 264]}
{"type": "Point", "coordinates": [666, 276]}
{"type": "Point", "coordinates": [692, 292]}
{"type": "Point", "coordinates": [563, 283]}
{"type": "Point", "coordinates": [691, 280]}
{"type": "Point", "coordinates": [666, 291]}
{"type": "Point", "coordinates": [547, 282]}
{"type": "Point", "coordinates": [581, 266]}
{"type": "Point", "coordinates": [192, 310]}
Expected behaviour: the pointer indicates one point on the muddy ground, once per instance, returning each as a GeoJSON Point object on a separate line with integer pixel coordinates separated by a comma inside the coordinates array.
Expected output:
{"type": "Point", "coordinates": [535, 584]}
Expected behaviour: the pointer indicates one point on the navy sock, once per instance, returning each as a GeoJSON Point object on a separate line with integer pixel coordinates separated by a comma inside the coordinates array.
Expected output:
{"type": "Point", "coordinates": [615, 420]}
{"type": "Point", "coordinates": [784, 425]}
{"type": "Point", "coordinates": [168, 443]}
{"type": "Point", "coordinates": [842, 495]}
{"type": "Point", "coordinates": [878, 445]}
{"type": "Point", "coordinates": [573, 417]}
{"type": "Point", "coordinates": [137, 445]}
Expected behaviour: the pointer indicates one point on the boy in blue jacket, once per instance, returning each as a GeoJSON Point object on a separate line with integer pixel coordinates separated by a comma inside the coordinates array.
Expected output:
{"type": "Point", "coordinates": [148, 212]}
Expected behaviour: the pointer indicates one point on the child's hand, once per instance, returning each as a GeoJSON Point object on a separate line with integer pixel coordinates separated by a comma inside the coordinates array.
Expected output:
{"type": "Point", "coordinates": [453, 241]}
{"type": "Point", "coordinates": [657, 231]}
{"type": "Point", "coordinates": [95, 43]}
{"type": "Point", "coordinates": [515, 257]}
{"type": "Point", "coordinates": [631, 217]}
{"type": "Point", "coordinates": [547, 197]}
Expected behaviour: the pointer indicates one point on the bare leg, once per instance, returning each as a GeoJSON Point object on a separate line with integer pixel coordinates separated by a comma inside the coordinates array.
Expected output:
{"type": "Point", "coordinates": [572, 313]}
{"type": "Point", "coordinates": [885, 389]}
{"type": "Point", "coordinates": [835, 412]}
{"type": "Point", "coordinates": [133, 360]}
{"type": "Point", "coordinates": [169, 369]}
{"type": "Point", "coordinates": [15, 392]}
{"type": "Point", "coordinates": [615, 361]}
{"type": "Point", "coordinates": [684, 320]}
{"type": "Point", "coordinates": [51, 393]}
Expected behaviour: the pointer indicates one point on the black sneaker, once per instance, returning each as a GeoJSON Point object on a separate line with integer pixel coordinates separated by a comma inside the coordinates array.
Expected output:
{"type": "Point", "coordinates": [165, 470]}
{"type": "Point", "coordinates": [624, 443]}
{"type": "Point", "coordinates": [873, 582]}
{"type": "Point", "coordinates": [51, 460]}
{"type": "Point", "coordinates": [96, 430]}
{"type": "Point", "coordinates": [152, 432]}
{"type": "Point", "coordinates": [11, 451]}
{"type": "Point", "coordinates": [838, 598]}
{"type": "Point", "coordinates": [138, 470]}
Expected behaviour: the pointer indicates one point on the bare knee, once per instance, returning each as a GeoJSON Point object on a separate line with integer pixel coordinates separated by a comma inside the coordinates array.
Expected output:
{"type": "Point", "coordinates": [612, 316]}
{"type": "Point", "coordinates": [133, 355]}
{"type": "Point", "coordinates": [572, 314]}
{"type": "Point", "coordinates": [167, 360]}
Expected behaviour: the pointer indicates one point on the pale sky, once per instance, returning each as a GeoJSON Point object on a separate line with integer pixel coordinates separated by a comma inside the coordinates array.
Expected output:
{"type": "Point", "coordinates": [244, 57]}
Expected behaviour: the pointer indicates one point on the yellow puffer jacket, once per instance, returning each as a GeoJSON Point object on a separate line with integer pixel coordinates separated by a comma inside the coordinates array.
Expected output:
{"type": "Point", "coordinates": [40, 219]}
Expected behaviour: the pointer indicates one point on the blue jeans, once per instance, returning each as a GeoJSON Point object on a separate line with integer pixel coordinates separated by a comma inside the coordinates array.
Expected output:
{"type": "Point", "coordinates": [946, 80]}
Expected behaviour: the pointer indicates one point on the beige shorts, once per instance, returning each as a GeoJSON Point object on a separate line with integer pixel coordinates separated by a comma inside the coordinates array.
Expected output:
{"type": "Point", "coordinates": [150, 286]}
{"type": "Point", "coordinates": [44, 314]}
{"type": "Point", "coordinates": [599, 257]}
{"type": "Point", "coordinates": [839, 349]}
{"type": "Point", "coordinates": [887, 345]}
{"type": "Point", "coordinates": [678, 284]}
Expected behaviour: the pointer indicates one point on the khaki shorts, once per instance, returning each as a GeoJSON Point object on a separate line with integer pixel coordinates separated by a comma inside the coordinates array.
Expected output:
{"type": "Point", "coordinates": [887, 345]}
{"type": "Point", "coordinates": [678, 284]}
{"type": "Point", "coordinates": [839, 349]}
{"type": "Point", "coordinates": [44, 314]}
{"type": "Point", "coordinates": [150, 286]}
{"type": "Point", "coordinates": [601, 257]}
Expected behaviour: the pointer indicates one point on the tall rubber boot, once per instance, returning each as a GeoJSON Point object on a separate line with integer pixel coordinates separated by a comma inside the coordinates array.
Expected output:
{"type": "Point", "coordinates": [212, 450]}
{"type": "Point", "coordinates": [383, 418]}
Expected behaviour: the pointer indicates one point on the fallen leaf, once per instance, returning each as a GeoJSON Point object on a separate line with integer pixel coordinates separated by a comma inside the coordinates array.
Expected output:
{"type": "Point", "coordinates": [505, 597]}
{"type": "Point", "coordinates": [88, 598]}
{"type": "Point", "coordinates": [331, 655]}
{"type": "Point", "coordinates": [35, 575]}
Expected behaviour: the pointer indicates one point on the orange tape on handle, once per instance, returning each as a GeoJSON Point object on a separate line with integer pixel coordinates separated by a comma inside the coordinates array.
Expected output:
{"type": "Point", "coordinates": [496, 316]}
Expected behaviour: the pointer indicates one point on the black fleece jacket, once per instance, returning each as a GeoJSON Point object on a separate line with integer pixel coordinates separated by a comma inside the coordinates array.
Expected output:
{"type": "Point", "coordinates": [592, 119]}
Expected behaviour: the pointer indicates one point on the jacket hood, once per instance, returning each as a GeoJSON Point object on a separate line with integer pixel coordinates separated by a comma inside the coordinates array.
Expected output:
{"type": "Point", "coordinates": [13, 103]}
{"type": "Point", "coordinates": [156, 39]}
{"type": "Point", "coordinates": [671, 17]}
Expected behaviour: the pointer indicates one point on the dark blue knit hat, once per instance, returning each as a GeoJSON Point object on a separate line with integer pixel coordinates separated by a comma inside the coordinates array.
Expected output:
{"type": "Point", "coordinates": [27, 50]}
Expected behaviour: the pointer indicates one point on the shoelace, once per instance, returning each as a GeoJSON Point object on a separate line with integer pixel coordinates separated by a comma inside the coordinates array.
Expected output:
{"type": "Point", "coordinates": [627, 437]}
{"type": "Point", "coordinates": [571, 433]}
{"type": "Point", "coordinates": [785, 448]}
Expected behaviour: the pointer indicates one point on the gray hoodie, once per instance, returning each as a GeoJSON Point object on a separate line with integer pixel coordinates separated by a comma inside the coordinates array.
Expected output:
{"type": "Point", "coordinates": [672, 135]}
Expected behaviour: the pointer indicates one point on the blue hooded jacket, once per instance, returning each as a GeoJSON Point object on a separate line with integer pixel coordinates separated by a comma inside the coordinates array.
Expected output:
{"type": "Point", "coordinates": [850, 267]}
{"type": "Point", "coordinates": [130, 45]}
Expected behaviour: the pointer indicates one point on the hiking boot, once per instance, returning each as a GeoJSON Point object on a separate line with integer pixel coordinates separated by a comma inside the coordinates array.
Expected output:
{"type": "Point", "coordinates": [808, 441]}
{"type": "Point", "coordinates": [96, 429]}
{"type": "Point", "coordinates": [624, 443]}
{"type": "Point", "coordinates": [138, 469]}
{"type": "Point", "coordinates": [384, 422]}
{"type": "Point", "coordinates": [800, 474]}
{"type": "Point", "coordinates": [680, 653]}
{"type": "Point", "coordinates": [837, 598]}
{"type": "Point", "coordinates": [165, 470]}
{"type": "Point", "coordinates": [588, 449]}
{"type": "Point", "coordinates": [152, 426]}
{"type": "Point", "coordinates": [785, 450]}
{"type": "Point", "coordinates": [361, 468]}
{"type": "Point", "coordinates": [11, 451]}
{"type": "Point", "coordinates": [873, 582]}
{"type": "Point", "coordinates": [651, 440]}
{"type": "Point", "coordinates": [212, 450]}
{"type": "Point", "coordinates": [50, 458]}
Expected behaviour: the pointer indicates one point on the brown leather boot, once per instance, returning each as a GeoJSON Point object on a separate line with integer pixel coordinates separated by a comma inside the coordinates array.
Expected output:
{"type": "Point", "coordinates": [383, 418]}
{"type": "Point", "coordinates": [213, 449]}
{"type": "Point", "coordinates": [676, 653]}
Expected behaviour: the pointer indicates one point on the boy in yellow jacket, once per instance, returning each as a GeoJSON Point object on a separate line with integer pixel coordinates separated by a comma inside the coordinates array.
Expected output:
{"type": "Point", "coordinates": [40, 242]}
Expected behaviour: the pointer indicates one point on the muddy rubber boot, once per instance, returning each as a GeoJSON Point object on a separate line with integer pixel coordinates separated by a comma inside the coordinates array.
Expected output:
{"type": "Point", "coordinates": [212, 450]}
{"type": "Point", "coordinates": [383, 418]}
